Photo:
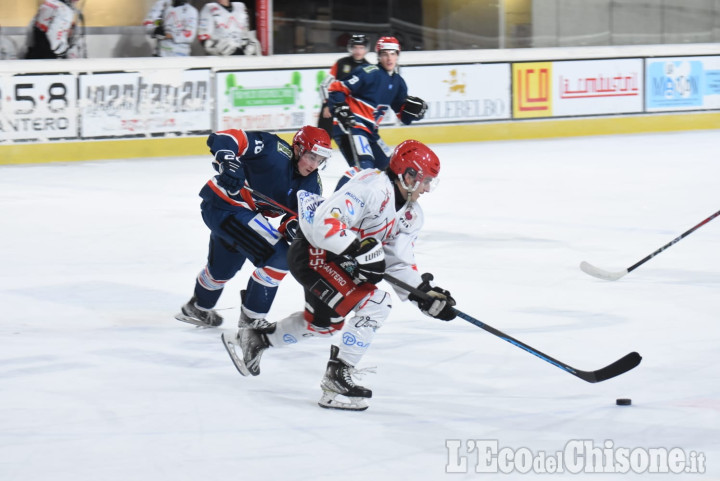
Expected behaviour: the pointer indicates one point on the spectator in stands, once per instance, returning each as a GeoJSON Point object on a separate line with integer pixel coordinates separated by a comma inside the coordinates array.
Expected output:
{"type": "Point", "coordinates": [173, 23]}
{"type": "Point", "coordinates": [52, 28]}
{"type": "Point", "coordinates": [224, 29]}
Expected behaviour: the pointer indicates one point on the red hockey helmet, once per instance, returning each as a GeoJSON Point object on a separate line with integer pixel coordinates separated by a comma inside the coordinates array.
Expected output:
{"type": "Point", "coordinates": [315, 140]}
{"type": "Point", "coordinates": [416, 159]}
{"type": "Point", "coordinates": [387, 43]}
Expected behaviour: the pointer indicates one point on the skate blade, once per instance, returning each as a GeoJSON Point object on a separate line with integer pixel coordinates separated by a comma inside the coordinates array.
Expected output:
{"type": "Point", "coordinates": [333, 400]}
{"type": "Point", "coordinates": [192, 320]}
{"type": "Point", "coordinates": [230, 346]}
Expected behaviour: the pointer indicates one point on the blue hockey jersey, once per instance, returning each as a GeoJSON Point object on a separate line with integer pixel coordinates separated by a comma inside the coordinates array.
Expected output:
{"type": "Point", "coordinates": [369, 92]}
{"type": "Point", "coordinates": [268, 167]}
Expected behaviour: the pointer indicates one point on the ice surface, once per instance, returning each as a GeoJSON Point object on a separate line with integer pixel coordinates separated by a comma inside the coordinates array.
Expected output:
{"type": "Point", "coordinates": [99, 382]}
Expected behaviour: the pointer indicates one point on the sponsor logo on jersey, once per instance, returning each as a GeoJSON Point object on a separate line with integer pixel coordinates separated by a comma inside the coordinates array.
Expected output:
{"type": "Point", "coordinates": [406, 219]}
{"type": "Point", "coordinates": [322, 290]}
{"type": "Point", "coordinates": [351, 340]}
{"type": "Point", "coordinates": [334, 275]}
{"type": "Point", "coordinates": [284, 149]}
{"type": "Point", "coordinates": [355, 198]}
{"type": "Point", "coordinates": [350, 207]}
{"type": "Point", "coordinates": [288, 339]}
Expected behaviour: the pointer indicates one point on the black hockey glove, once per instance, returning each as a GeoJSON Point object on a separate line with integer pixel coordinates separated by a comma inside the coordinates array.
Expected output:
{"type": "Point", "coordinates": [364, 260]}
{"type": "Point", "coordinates": [344, 115]}
{"type": "Point", "coordinates": [289, 227]}
{"type": "Point", "coordinates": [231, 176]}
{"type": "Point", "coordinates": [438, 303]}
{"type": "Point", "coordinates": [415, 107]}
{"type": "Point", "coordinates": [159, 32]}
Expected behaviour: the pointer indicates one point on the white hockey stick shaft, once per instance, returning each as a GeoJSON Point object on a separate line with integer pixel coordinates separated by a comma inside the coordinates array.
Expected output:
{"type": "Point", "coordinates": [613, 276]}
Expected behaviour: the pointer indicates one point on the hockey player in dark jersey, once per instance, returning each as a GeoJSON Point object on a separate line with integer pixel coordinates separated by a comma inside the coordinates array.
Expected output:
{"type": "Point", "coordinates": [250, 161]}
{"type": "Point", "coordinates": [360, 102]}
{"type": "Point", "coordinates": [358, 48]}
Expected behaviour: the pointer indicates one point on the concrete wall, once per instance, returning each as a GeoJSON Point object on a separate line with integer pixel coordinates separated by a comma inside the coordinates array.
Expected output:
{"type": "Point", "coordinates": [558, 23]}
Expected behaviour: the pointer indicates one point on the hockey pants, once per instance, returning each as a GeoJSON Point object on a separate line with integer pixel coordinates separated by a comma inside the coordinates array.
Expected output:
{"type": "Point", "coordinates": [330, 295]}
{"type": "Point", "coordinates": [237, 236]}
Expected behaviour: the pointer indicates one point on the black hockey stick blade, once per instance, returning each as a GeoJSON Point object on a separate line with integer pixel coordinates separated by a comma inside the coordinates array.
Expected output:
{"type": "Point", "coordinates": [618, 367]}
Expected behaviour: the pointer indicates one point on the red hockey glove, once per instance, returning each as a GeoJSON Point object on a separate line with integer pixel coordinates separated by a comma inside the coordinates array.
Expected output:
{"type": "Point", "coordinates": [289, 227]}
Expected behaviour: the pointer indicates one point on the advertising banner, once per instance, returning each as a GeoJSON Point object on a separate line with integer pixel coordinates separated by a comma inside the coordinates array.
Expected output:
{"type": "Point", "coordinates": [685, 83]}
{"type": "Point", "coordinates": [268, 99]}
{"type": "Point", "coordinates": [594, 87]}
{"type": "Point", "coordinates": [142, 103]}
{"type": "Point", "coordinates": [532, 89]}
{"type": "Point", "coordinates": [38, 107]}
{"type": "Point", "coordinates": [461, 93]}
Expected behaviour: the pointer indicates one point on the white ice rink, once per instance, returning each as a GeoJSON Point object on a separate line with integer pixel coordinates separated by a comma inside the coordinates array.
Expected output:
{"type": "Point", "coordinates": [99, 382]}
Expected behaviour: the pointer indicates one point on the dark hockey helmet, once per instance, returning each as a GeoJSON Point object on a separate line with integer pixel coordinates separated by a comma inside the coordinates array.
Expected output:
{"type": "Point", "coordinates": [315, 140]}
{"type": "Point", "coordinates": [387, 43]}
{"type": "Point", "coordinates": [357, 39]}
{"type": "Point", "coordinates": [414, 158]}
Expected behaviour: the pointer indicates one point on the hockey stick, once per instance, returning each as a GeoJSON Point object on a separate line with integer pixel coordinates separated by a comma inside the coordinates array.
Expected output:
{"type": "Point", "coordinates": [351, 142]}
{"type": "Point", "coordinates": [618, 367]}
{"type": "Point", "coordinates": [267, 199]}
{"type": "Point", "coordinates": [613, 276]}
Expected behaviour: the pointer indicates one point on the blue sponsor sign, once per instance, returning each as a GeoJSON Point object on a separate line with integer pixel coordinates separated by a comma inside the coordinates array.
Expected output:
{"type": "Point", "coordinates": [675, 84]}
{"type": "Point", "coordinates": [712, 82]}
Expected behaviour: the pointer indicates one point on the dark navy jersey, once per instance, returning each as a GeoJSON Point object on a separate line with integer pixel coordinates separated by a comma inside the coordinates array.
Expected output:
{"type": "Point", "coordinates": [344, 67]}
{"type": "Point", "coordinates": [370, 91]}
{"type": "Point", "coordinates": [269, 168]}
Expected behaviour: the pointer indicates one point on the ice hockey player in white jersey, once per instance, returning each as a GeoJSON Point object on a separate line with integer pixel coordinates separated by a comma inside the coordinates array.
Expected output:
{"type": "Point", "coordinates": [348, 242]}
{"type": "Point", "coordinates": [224, 29]}
{"type": "Point", "coordinates": [173, 23]}
{"type": "Point", "coordinates": [51, 30]}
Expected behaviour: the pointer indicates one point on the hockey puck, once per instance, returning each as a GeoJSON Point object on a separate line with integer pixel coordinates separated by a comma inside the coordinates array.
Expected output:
{"type": "Point", "coordinates": [623, 401]}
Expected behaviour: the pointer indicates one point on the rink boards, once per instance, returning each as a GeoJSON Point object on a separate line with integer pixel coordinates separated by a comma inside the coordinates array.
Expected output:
{"type": "Point", "coordinates": [121, 108]}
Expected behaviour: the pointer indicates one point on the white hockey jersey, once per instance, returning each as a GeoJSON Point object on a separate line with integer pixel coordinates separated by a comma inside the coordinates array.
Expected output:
{"type": "Point", "coordinates": [180, 22]}
{"type": "Point", "coordinates": [365, 207]}
{"type": "Point", "coordinates": [217, 23]}
{"type": "Point", "coordinates": [55, 19]}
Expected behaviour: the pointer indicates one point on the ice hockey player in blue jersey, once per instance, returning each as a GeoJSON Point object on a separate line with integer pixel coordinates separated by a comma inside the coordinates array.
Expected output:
{"type": "Point", "coordinates": [357, 46]}
{"type": "Point", "coordinates": [360, 102]}
{"type": "Point", "coordinates": [239, 223]}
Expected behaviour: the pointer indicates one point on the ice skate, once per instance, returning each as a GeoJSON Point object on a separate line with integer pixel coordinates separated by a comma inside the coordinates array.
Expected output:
{"type": "Point", "coordinates": [339, 389]}
{"type": "Point", "coordinates": [248, 321]}
{"type": "Point", "coordinates": [198, 316]}
{"type": "Point", "coordinates": [252, 343]}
